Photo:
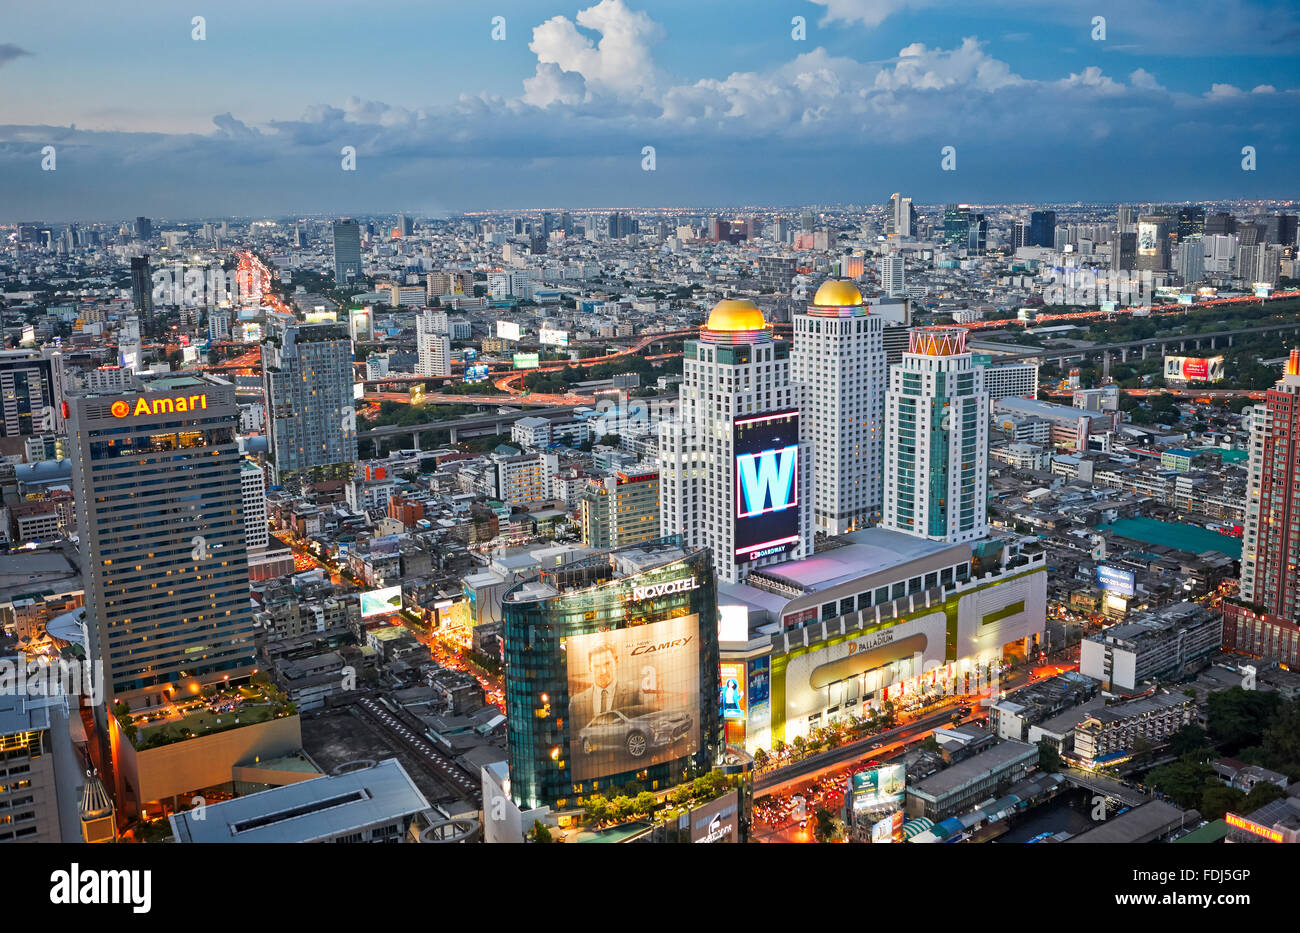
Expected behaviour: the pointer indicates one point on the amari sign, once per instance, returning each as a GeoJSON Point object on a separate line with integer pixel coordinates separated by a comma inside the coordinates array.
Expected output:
{"type": "Point", "coordinates": [158, 406]}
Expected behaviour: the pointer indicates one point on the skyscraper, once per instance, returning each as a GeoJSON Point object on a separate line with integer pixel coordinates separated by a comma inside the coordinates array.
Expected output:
{"type": "Point", "coordinates": [1019, 234]}
{"type": "Point", "coordinates": [839, 359]}
{"type": "Point", "coordinates": [734, 469]}
{"type": "Point", "coordinates": [1191, 222]}
{"type": "Point", "coordinates": [936, 440]}
{"type": "Point", "coordinates": [307, 381]}
{"type": "Point", "coordinates": [31, 393]}
{"type": "Point", "coordinates": [956, 225]}
{"type": "Point", "coordinates": [143, 228]}
{"type": "Point", "coordinates": [142, 287]}
{"type": "Point", "coordinates": [156, 476]}
{"type": "Point", "coordinates": [1042, 229]}
{"type": "Point", "coordinates": [433, 343]}
{"type": "Point", "coordinates": [901, 220]}
{"type": "Point", "coordinates": [1153, 244]}
{"type": "Point", "coordinates": [977, 235]}
{"type": "Point", "coordinates": [891, 275]}
{"type": "Point", "coordinates": [347, 251]}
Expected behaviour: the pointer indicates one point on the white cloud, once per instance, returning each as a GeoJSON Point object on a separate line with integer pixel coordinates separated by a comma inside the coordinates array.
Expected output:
{"type": "Point", "coordinates": [866, 12]}
{"type": "Point", "coordinates": [1144, 80]}
{"type": "Point", "coordinates": [1264, 89]}
{"type": "Point", "coordinates": [967, 66]}
{"type": "Point", "coordinates": [1223, 91]}
{"type": "Point", "coordinates": [619, 64]}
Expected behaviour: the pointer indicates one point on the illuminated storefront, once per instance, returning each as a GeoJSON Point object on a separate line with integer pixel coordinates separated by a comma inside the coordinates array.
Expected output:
{"type": "Point", "coordinates": [611, 672]}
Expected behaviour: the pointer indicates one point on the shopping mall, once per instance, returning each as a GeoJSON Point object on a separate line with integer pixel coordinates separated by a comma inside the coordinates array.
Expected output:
{"type": "Point", "coordinates": [611, 667]}
{"type": "Point", "coordinates": [874, 615]}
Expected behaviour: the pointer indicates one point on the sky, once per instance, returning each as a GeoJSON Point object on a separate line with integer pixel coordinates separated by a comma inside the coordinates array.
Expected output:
{"type": "Point", "coordinates": [743, 102]}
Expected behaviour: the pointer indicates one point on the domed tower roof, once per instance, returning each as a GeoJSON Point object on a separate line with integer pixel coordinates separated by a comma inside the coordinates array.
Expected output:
{"type": "Point", "coordinates": [732, 314]}
{"type": "Point", "coordinates": [838, 293]}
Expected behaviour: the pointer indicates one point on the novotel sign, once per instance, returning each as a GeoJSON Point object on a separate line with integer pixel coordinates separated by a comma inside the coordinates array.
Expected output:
{"type": "Point", "coordinates": [654, 590]}
{"type": "Point", "coordinates": [158, 406]}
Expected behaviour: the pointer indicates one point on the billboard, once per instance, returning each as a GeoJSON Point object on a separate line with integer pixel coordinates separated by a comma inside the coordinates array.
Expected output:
{"type": "Point", "coordinates": [1114, 580]}
{"type": "Point", "coordinates": [381, 602]}
{"type": "Point", "coordinates": [888, 829]}
{"type": "Point", "coordinates": [634, 697]}
{"type": "Point", "coordinates": [767, 484]}
{"type": "Point", "coordinates": [527, 360]}
{"type": "Point", "coordinates": [552, 337]}
{"type": "Point", "coordinates": [1194, 368]}
{"type": "Point", "coordinates": [878, 787]}
{"type": "Point", "coordinates": [509, 330]}
{"type": "Point", "coordinates": [477, 373]}
{"type": "Point", "coordinates": [717, 821]}
{"type": "Point", "coordinates": [1148, 239]}
{"type": "Point", "coordinates": [731, 691]}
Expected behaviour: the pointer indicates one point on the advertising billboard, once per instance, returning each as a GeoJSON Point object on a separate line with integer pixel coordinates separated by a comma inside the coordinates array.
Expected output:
{"type": "Point", "coordinates": [552, 337]}
{"type": "Point", "coordinates": [1114, 580]}
{"type": "Point", "coordinates": [767, 484]}
{"type": "Point", "coordinates": [731, 690]}
{"type": "Point", "coordinates": [476, 373]}
{"type": "Point", "coordinates": [717, 821]}
{"type": "Point", "coordinates": [1148, 239]}
{"type": "Point", "coordinates": [526, 360]}
{"type": "Point", "coordinates": [878, 787]}
{"type": "Point", "coordinates": [888, 829]}
{"type": "Point", "coordinates": [509, 330]}
{"type": "Point", "coordinates": [634, 697]}
{"type": "Point", "coordinates": [1194, 368]}
{"type": "Point", "coordinates": [381, 602]}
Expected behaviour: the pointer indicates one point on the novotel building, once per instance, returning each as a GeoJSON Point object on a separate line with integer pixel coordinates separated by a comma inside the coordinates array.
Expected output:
{"type": "Point", "coordinates": [611, 674]}
{"type": "Point", "coordinates": [156, 476]}
{"type": "Point", "coordinates": [883, 616]}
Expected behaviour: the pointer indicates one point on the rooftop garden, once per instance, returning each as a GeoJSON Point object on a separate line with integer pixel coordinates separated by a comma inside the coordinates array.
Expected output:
{"type": "Point", "coordinates": [206, 711]}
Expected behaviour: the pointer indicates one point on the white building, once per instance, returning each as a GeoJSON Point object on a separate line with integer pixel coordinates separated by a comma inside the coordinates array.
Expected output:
{"type": "Point", "coordinates": [1010, 380]}
{"type": "Point", "coordinates": [839, 359]}
{"type": "Point", "coordinates": [526, 478]}
{"type": "Point", "coordinates": [531, 432]}
{"type": "Point", "coordinates": [734, 467]}
{"type": "Point", "coordinates": [891, 275]}
{"type": "Point", "coordinates": [377, 366]}
{"type": "Point", "coordinates": [433, 344]}
{"type": "Point", "coordinates": [936, 440]}
{"type": "Point", "coordinates": [253, 484]}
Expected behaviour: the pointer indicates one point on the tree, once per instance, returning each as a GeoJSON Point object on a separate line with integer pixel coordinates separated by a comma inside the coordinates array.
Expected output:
{"type": "Point", "coordinates": [539, 832]}
{"type": "Point", "coordinates": [1189, 740]}
{"type": "Point", "coordinates": [597, 808]}
{"type": "Point", "coordinates": [760, 758]}
{"type": "Point", "coordinates": [1181, 781]}
{"type": "Point", "coordinates": [1239, 717]}
{"type": "Point", "coordinates": [1264, 792]}
{"type": "Point", "coordinates": [1217, 799]}
{"type": "Point", "coordinates": [622, 807]}
{"type": "Point", "coordinates": [1049, 759]}
{"type": "Point", "coordinates": [645, 803]}
{"type": "Point", "coordinates": [826, 826]}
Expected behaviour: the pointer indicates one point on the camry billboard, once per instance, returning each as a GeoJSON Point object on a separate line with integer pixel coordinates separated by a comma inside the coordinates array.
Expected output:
{"type": "Point", "coordinates": [634, 696]}
{"type": "Point", "coordinates": [767, 484]}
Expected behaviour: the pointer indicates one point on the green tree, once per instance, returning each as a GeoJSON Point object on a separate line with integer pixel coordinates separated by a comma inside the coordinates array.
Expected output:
{"type": "Point", "coordinates": [1218, 798]}
{"type": "Point", "coordinates": [1264, 792]}
{"type": "Point", "coordinates": [1189, 740]}
{"type": "Point", "coordinates": [1239, 717]}
{"type": "Point", "coordinates": [597, 808]}
{"type": "Point", "coordinates": [1181, 781]}
{"type": "Point", "coordinates": [1049, 759]}
{"type": "Point", "coordinates": [645, 803]}
{"type": "Point", "coordinates": [539, 832]}
{"type": "Point", "coordinates": [622, 807]}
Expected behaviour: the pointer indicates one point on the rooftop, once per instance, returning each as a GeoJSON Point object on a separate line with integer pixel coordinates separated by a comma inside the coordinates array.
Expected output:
{"type": "Point", "coordinates": [1182, 537]}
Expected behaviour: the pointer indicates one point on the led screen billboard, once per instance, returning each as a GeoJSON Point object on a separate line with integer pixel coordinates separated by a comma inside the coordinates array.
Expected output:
{"type": "Point", "coordinates": [477, 373]}
{"type": "Point", "coordinates": [767, 484]}
{"type": "Point", "coordinates": [634, 697]}
{"type": "Point", "coordinates": [509, 330]}
{"type": "Point", "coordinates": [731, 691]}
{"type": "Point", "coordinates": [381, 602]}
{"type": "Point", "coordinates": [1114, 580]}
{"type": "Point", "coordinates": [526, 360]}
{"type": "Point", "coordinates": [1193, 368]}
{"type": "Point", "coordinates": [717, 821]}
{"type": "Point", "coordinates": [878, 787]}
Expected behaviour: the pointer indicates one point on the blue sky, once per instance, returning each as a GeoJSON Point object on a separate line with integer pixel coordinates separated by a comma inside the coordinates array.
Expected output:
{"type": "Point", "coordinates": [443, 118]}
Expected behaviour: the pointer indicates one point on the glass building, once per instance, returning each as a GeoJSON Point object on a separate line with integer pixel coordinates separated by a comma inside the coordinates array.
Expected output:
{"type": "Point", "coordinates": [612, 674]}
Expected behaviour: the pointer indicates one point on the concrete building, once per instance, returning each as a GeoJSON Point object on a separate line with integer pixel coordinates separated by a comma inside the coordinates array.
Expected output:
{"type": "Point", "coordinates": [1159, 644]}
{"type": "Point", "coordinates": [253, 486]}
{"type": "Point", "coordinates": [961, 786]}
{"type": "Point", "coordinates": [620, 510]}
{"type": "Point", "coordinates": [1109, 733]}
{"type": "Point", "coordinates": [347, 252]}
{"type": "Point", "coordinates": [307, 381]}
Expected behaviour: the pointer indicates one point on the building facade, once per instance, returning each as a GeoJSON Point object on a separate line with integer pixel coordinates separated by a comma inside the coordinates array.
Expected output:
{"type": "Point", "coordinates": [307, 382]}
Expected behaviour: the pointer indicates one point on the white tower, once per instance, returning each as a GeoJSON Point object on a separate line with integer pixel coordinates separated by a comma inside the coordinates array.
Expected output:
{"type": "Point", "coordinates": [839, 359]}
{"type": "Point", "coordinates": [734, 470]}
{"type": "Point", "coordinates": [937, 440]}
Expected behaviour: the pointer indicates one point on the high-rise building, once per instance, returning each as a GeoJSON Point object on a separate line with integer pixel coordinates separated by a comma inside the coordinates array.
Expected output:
{"type": "Point", "coordinates": [901, 220]}
{"type": "Point", "coordinates": [141, 287]}
{"type": "Point", "coordinates": [405, 224]}
{"type": "Point", "coordinates": [839, 359]}
{"type": "Point", "coordinates": [143, 228]}
{"type": "Point", "coordinates": [39, 768]}
{"type": "Point", "coordinates": [433, 343]}
{"type": "Point", "coordinates": [31, 393]}
{"type": "Point", "coordinates": [1042, 229]}
{"type": "Point", "coordinates": [347, 252]}
{"type": "Point", "coordinates": [936, 440]}
{"type": "Point", "coordinates": [157, 478]}
{"type": "Point", "coordinates": [977, 235]}
{"type": "Point", "coordinates": [734, 470]}
{"type": "Point", "coordinates": [1123, 251]}
{"type": "Point", "coordinates": [307, 383]}
{"type": "Point", "coordinates": [1189, 259]}
{"type": "Point", "coordinates": [956, 224]}
{"type": "Point", "coordinates": [1259, 265]}
{"type": "Point", "coordinates": [621, 509]}
{"type": "Point", "coordinates": [1191, 222]}
{"type": "Point", "coordinates": [1019, 234]}
{"type": "Point", "coordinates": [1124, 219]}
{"type": "Point", "coordinates": [252, 484]}
{"type": "Point", "coordinates": [891, 275]}
{"type": "Point", "coordinates": [1153, 242]}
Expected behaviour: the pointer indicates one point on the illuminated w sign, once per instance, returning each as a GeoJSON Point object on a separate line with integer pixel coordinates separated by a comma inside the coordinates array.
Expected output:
{"type": "Point", "coordinates": [767, 481]}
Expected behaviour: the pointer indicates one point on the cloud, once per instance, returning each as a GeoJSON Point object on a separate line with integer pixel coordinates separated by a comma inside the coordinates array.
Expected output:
{"type": "Point", "coordinates": [620, 63]}
{"type": "Point", "coordinates": [1264, 89]}
{"type": "Point", "coordinates": [229, 126]}
{"type": "Point", "coordinates": [1144, 80]}
{"type": "Point", "coordinates": [866, 12]}
{"type": "Point", "coordinates": [9, 51]}
{"type": "Point", "coordinates": [1223, 92]}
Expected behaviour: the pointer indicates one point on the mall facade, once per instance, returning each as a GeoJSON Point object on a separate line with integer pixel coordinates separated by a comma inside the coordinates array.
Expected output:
{"type": "Point", "coordinates": [611, 674]}
{"type": "Point", "coordinates": [880, 616]}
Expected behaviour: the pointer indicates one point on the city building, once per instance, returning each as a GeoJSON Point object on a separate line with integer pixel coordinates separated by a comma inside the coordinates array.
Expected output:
{"type": "Point", "coordinates": [1159, 644]}
{"type": "Point", "coordinates": [1109, 733]}
{"type": "Point", "coordinates": [253, 486]}
{"type": "Point", "coordinates": [40, 771]}
{"type": "Point", "coordinates": [961, 786]}
{"type": "Point", "coordinates": [838, 358]}
{"type": "Point", "coordinates": [936, 440]}
{"type": "Point", "coordinates": [891, 275]}
{"type": "Point", "coordinates": [307, 382]}
{"type": "Point", "coordinates": [31, 393]}
{"type": "Point", "coordinates": [433, 344]}
{"type": "Point", "coordinates": [1042, 229]}
{"type": "Point", "coordinates": [620, 510]}
{"type": "Point", "coordinates": [611, 674]}
{"type": "Point", "coordinates": [347, 251]}
{"type": "Point", "coordinates": [734, 470]}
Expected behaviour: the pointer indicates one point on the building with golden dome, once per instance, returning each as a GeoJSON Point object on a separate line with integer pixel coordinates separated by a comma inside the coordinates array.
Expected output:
{"type": "Point", "coordinates": [735, 465]}
{"type": "Point", "coordinates": [839, 358]}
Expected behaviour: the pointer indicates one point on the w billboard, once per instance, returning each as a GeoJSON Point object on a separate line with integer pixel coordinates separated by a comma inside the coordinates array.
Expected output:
{"type": "Point", "coordinates": [767, 484]}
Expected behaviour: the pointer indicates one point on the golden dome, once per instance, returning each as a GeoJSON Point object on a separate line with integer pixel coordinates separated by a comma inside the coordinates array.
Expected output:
{"type": "Point", "coordinates": [732, 314]}
{"type": "Point", "coordinates": [838, 293]}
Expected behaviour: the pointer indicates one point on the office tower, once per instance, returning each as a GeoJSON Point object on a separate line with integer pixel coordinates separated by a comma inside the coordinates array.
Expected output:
{"type": "Point", "coordinates": [307, 383]}
{"type": "Point", "coordinates": [143, 228]}
{"type": "Point", "coordinates": [39, 768]}
{"type": "Point", "coordinates": [219, 325]}
{"type": "Point", "coordinates": [1271, 543]}
{"type": "Point", "coordinates": [977, 235]}
{"type": "Point", "coordinates": [1019, 234]}
{"type": "Point", "coordinates": [1220, 224]}
{"type": "Point", "coordinates": [839, 359]}
{"type": "Point", "coordinates": [734, 468]}
{"type": "Point", "coordinates": [891, 275]}
{"type": "Point", "coordinates": [806, 222]}
{"type": "Point", "coordinates": [1123, 252]}
{"type": "Point", "coordinates": [1153, 246]}
{"type": "Point", "coordinates": [1189, 259]}
{"type": "Point", "coordinates": [1259, 265]}
{"type": "Point", "coordinates": [956, 225]}
{"type": "Point", "coordinates": [142, 287]}
{"type": "Point", "coordinates": [1191, 222]}
{"type": "Point", "coordinates": [31, 393]}
{"type": "Point", "coordinates": [777, 273]}
{"type": "Point", "coordinates": [252, 484]}
{"type": "Point", "coordinates": [433, 344]}
{"type": "Point", "coordinates": [347, 252]}
{"type": "Point", "coordinates": [901, 220]}
{"type": "Point", "coordinates": [620, 509]}
{"type": "Point", "coordinates": [936, 440]}
{"type": "Point", "coordinates": [299, 235]}
{"type": "Point", "coordinates": [1124, 219]}
{"type": "Point", "coordinates": [1042, 229]}
{"type": "Point", "coordinates": [405, 224]}
{"type": "Point", "coordinates": [156, 476]}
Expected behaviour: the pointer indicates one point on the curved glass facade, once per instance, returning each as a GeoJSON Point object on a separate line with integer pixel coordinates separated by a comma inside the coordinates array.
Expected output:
{"type": "Point", "coordinates": [612, 678]}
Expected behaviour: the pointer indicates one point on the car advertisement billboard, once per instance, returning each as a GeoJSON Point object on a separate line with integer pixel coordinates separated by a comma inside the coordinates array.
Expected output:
{"type": "Point", "coordinates": [526, 360]}
{"type": "Point", "coordinates": [381, 602]}
{"type": "Point", "coordinates": [1193, 368]}
{"type": "Point", "coordinates": [634, 697]}
{"type": "Point", "coordinates": [731, 689]}
{"type": "Point", "coordinates": [767, 484]}
{"type": "Point", "coordinates": [1114, 580]}
{"type": "Point", "coordinates": [878, 787]}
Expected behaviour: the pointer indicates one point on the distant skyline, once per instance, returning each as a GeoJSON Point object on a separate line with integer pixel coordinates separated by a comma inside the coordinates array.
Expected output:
{"type": "Point", "coordinates": [251, 120]}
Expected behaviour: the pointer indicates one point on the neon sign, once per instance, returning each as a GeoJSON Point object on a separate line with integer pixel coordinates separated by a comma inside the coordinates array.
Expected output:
{"type": "Point", "coordinates": [766, 477]}
{"type": "Point", "coordinates": [158, 406]}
